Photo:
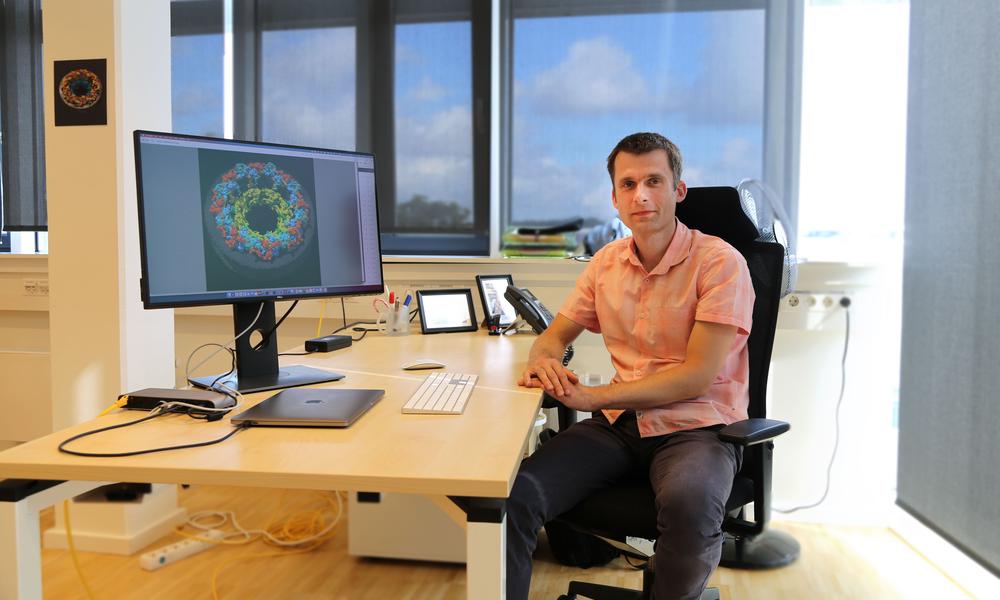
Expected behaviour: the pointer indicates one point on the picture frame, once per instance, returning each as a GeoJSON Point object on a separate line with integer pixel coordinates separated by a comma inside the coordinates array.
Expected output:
{"type": "Point", "coordinates": [446, 311]}
{"type": "Point", "coordinates": [491, 290]}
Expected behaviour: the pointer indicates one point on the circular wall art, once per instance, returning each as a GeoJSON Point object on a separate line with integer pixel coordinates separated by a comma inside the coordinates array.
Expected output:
{"type": "Point", "coordinates": [260, 215]}
{"type": "Point", "coordinates": [80, 89]}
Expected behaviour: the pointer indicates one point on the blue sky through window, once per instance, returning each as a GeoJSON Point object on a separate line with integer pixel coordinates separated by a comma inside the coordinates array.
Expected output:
{"type": "Point", "coordinates": [583, 83]}
{"type": "Point", "coordinates": [433, 88]}
{"type": "Point", "coordinates": [196, 84]}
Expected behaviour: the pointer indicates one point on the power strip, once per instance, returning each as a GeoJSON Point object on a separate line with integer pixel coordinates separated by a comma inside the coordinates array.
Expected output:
{"type": "Point", "coordinates": [177, 551]}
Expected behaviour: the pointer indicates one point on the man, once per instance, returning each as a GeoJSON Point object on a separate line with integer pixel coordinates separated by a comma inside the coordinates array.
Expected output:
{"type": "Point", "coordinates": [674, 307]}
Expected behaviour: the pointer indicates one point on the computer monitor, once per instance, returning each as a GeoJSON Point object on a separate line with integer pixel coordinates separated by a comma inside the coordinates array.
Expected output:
{"type": "Point", "coordinates": [247, 223]}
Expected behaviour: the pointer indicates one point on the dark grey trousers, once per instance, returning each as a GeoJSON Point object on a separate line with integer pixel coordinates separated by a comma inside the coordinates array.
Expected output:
{"type": "Point", "coordinates": [691, 472]}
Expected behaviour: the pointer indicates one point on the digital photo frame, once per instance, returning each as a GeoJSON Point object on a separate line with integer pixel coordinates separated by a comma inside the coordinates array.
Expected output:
{"type": "Point", "coordinates": [446, 311]}
{"type": "Point", "coordinates": [491, 290]}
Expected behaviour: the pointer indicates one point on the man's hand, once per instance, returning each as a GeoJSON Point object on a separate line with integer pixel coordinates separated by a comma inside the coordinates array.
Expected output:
{"type": "Point", "coordinates": [581, 397]}
{"type": "Point", "coordinates": [548, 374]}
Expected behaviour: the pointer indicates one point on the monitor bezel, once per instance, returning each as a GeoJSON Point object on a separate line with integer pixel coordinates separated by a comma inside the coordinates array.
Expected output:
{"type": "Point", "coordinates": [149, 303]}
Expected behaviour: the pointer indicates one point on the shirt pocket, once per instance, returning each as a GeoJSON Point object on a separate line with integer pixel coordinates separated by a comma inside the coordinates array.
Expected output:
{"type": "Point", "coordinates": [669, 330]}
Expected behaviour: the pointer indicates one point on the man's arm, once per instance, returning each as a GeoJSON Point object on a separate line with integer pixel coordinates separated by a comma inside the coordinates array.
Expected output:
{"type": "Point", "coordinates": [545, 368]}
{"type": "Point", "coordinates": [707, 349]}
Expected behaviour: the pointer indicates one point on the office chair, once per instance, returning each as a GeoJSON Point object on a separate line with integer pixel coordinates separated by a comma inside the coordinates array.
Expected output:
{"type": "Point", "coordinates": [748, 543]}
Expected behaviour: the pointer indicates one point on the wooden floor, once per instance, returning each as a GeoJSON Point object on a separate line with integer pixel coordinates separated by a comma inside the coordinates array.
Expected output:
{"type": "Point", "coordinates": [836, 562]}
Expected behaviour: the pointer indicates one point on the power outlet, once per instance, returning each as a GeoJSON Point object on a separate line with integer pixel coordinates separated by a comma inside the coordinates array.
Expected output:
{"type": "Point", "coordinates": [171, 553]}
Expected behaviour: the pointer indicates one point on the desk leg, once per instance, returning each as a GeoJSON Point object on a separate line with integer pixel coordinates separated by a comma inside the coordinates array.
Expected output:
{"type": "Point", "coordinates": [486, 547]}
{"type": "Point", "coordinates": [21, 540]}
{"type": "Point", "coordinates": [486, 569]}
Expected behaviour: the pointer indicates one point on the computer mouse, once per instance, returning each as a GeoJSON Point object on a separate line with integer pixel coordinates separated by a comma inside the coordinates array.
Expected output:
{"type": "Point", "coordinates": [422, 363]}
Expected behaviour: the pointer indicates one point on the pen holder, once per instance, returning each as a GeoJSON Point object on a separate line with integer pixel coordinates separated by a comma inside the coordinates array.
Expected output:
{"type": "Point", "coordinates": [394, 322]}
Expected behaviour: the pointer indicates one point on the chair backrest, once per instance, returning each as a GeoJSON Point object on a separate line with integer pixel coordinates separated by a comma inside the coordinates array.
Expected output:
{"type": "Point", "coordinates": [717, 211]}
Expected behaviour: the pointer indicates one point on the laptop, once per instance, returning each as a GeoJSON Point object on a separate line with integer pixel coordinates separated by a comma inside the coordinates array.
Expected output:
{"type": "Point", "coordinates": [310, 407]}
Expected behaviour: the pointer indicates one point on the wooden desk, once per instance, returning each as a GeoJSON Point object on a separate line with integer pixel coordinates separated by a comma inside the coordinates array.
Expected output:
{"type": "Point", "coordinates": [474, 455]}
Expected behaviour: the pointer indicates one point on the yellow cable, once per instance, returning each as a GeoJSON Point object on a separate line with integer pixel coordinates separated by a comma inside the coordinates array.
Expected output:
{"type": "Point", "coordinates": [304, 526]}
{"type": "Point", "coordinates": [120, 402]}
{"type": "Point", "coordinates": [319, 325]}
{"type": "Point", "coordinates": [72, 550]}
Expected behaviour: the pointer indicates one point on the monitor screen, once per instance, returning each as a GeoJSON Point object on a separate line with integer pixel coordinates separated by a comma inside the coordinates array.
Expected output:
{"type": "Point", "coordinates": [226, 221]}
{"type": "Point", "coordinates": [248, 223]}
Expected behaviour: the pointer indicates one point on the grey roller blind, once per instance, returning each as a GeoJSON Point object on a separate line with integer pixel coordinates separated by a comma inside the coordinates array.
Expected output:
{"type": "Point", "coordinates": [949, 416]}
{"type": "Point", "coordinates": [21, 113]}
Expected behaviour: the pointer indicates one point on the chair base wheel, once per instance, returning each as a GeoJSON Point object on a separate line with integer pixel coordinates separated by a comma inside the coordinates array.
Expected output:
{"type": "Point", "coordinates": [769, 550]}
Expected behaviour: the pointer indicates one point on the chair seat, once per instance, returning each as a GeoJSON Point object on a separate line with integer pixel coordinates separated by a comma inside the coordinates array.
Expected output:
{"type": "Point", "coordinates": [639, 518]}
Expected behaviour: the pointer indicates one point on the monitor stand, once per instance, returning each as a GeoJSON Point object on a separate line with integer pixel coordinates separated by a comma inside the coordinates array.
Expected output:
{"type": "Point", "coordinates": [258, 370]}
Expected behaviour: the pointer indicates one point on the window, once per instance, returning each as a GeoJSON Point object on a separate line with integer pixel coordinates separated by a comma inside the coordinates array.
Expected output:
{"type": "Point", "coordinates": [583, 81]}
{"type": "Point", "coordinates": [22, 154]}
{"type": "Point", "coordinates": [308, 74]}
{"type": "Point", "coordinates": [853, 171]}
{"type": "Point", "coordinates": [413, 82]}
{"type": "Point", "coordinates": [196, 67]}
{"type": "Point", "coordinates": [434, 126]}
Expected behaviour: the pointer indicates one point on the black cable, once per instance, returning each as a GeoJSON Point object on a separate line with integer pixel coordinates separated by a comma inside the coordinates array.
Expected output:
{"type": "Point", "coordinates": [845, 302]}
{"type": "Point", "coordinates": [413, 314]}
{"type": "Point", "coordinates": [343, 312]}
{"type": "Point", "coordinates": [267, 336]}
{"type": "Point", "coordinates": [232, 369]}
{"type": "Point", "coordinates": [62, 446]}
{"type": "Point", "coordinates": [339, 329]}
{"type": "Point", "coordinates": [364, 331]}
{"type": "Point", "coordinates": [294, 353]}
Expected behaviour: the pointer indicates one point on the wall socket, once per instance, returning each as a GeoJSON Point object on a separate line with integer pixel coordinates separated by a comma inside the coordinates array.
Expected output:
{"type": "Point", "coordinates": [35, 287]}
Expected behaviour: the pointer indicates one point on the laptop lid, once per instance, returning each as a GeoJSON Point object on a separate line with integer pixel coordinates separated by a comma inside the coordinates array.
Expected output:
{"type": "Point", "coordinates": [310, 407]}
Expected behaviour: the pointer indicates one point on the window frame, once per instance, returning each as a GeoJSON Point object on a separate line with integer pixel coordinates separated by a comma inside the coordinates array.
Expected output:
{"type": "Point", "coordinates": [492, 82]}
{"type": "Point", "coordinates": [782, 80]}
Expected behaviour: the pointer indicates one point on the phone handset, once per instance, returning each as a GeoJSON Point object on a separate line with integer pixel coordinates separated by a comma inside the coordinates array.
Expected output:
{"type": "Point", "coordinates": [529, 308]}
{"type": "Point", "coordinates": [533, 312]}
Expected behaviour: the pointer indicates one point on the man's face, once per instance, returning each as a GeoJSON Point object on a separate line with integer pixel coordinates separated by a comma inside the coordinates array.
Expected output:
{"type": "Point", "coordinates": [644, 192]}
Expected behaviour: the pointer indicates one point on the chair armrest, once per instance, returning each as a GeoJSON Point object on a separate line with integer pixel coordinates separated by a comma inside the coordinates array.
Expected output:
{"type": "Point", "coordinates": [752, 431]}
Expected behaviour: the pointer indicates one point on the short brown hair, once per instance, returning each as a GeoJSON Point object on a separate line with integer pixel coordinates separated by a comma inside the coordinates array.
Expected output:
{"type": "Point", "coordinates": [641, 143]}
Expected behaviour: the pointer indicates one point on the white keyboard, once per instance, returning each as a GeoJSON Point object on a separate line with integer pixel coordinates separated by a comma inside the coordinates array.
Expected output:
{"type": "Point", "coordinates": [441, 394]}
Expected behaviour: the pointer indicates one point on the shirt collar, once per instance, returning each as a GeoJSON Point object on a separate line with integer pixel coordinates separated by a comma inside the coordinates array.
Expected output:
{"type": "Point", "coordinates": [677, 251]}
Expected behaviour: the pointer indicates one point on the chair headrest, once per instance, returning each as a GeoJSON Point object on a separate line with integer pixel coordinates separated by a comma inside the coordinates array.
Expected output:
{"type": "Point", "coordinates": [717, 211]}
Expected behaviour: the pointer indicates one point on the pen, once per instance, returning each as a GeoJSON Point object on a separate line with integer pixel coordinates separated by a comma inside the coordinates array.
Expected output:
{"type": "Point", "coordinates": [392, 297]}
{"type": "Point", "coordinates": [406, 302]}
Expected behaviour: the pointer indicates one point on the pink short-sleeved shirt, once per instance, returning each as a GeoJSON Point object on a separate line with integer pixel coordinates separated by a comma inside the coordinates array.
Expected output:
{"type": "Point", "coordinates": [646, 319]}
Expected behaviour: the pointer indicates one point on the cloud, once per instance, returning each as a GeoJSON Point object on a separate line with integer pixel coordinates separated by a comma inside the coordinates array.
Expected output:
{"type": "Point", "coordinates": [434, 156]}
{"type": "Point", "coordinates": [425, 91]}
{"type": "Point", "coordinates": [729, 88]}
{"type": "Point", "coordinates": [738, 158]}
{"type": "Point", "coordinates": [596, 76]}
{"type": "Point", "coordinates": [309, 89]}
{"type": "Point", "coordinates": [194, 99]}
{"type": "Point", "coordinates": [544, 189]}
